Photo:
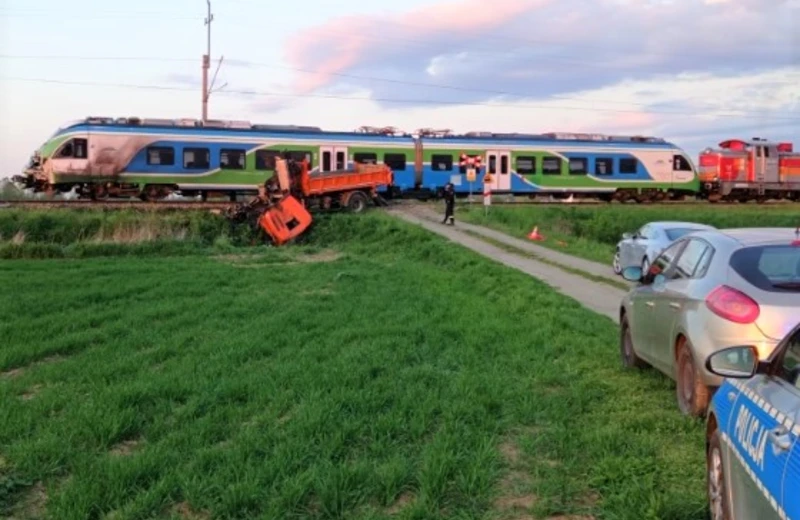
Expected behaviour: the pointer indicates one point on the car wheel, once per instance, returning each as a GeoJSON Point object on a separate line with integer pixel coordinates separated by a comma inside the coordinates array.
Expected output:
{"type": "Point", "coordinates": [645, 265]}
{"type": "Point", "coordinates": [616, 264]}
{"type": "Point", "coordinates": [692, 394]}
{"type": "Point", "coordinates": [717, 494]}
{"type": "Point", "coordinates": [629, 357]}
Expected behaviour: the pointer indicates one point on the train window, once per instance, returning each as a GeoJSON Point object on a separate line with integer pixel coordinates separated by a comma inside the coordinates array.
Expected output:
{"type": "Point", "coordinates": [265, 159]}
{"type": "Point", "coordinates": [340, 161]}
{"type": "Point", "coordinates": [365, 158]}
{"type": "Point", "coordinates": [681, 164]}
{"type": "Point", "coordinates": [196, 158]}
{"type": "Point", "coordinates": [232, 159]}
{"type": "Point", "coordinates": [526, 165]}
{"type": "Point", "coordinates": [395, 161]}
{"type": "Point", "coordinates": [161, 156]}
{"type": "Point", "coordinates": [301, 155]}
{"type": "Point", "coordinates": [81, 149]}
{"type": "Point", "coordinates": [503, 164]}
{"type": "Point", "coordinates": [492, 165]}
{"type": "Point", "coordinates": [551, 165]}
{"type": "Point", "coordinates": [442, 163]}
{"type": "Point", "coordinates": [74, 149]}
{"type": "Point", "coordinates": [630, 166]}
{"type": "Point", "coordinates": [578, 166]}
{"type": "Point", "coordinates": [326, 161]}
{"type": "Point", "coordinates": [604, 166]}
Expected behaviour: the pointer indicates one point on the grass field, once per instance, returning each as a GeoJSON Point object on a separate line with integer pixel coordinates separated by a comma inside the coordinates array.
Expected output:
{"type": "Point", "coordinates": [592, 232]}
{"type": "Point", "coordinates": [376, 372]}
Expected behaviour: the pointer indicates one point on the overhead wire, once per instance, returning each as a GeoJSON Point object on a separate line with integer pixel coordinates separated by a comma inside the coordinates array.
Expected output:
{"type": "Point", "coordinates": [257, 93]}
{"type": "Point", "coordinates": [388, 80]}
{"type": "Point", "coordinates": [383, 38]}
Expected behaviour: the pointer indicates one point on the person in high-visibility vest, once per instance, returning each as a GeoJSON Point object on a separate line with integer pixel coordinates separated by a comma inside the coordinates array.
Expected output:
{"type": "Point", "coordinates": [450, 202]}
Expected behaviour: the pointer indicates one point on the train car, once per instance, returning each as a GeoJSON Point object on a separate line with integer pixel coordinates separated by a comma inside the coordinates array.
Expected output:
{"type": "Point", "coordinates": [608, 167]}
{"type": "Point", "coordinates": [749, 170]}
{"type": "Point", "coordinates": [151, 158]}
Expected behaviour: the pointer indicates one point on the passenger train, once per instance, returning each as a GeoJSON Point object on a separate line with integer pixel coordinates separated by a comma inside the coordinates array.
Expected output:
{"type": "Point", "coordinates": [103, 157]}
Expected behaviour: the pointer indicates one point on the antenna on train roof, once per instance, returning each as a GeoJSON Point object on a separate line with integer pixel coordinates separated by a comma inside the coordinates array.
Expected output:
{"type": "Point", "coordinates": [431, 132]}
{"type": "Point", "coordinates": [381, 130]}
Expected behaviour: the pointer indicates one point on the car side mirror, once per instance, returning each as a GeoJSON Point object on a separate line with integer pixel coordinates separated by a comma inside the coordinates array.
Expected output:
{"type": "Point", "coordinates": [734, 362]}
{"type": "Point", "coordinates": [632, 273]}
{"type": "Point", "coordinates": [627, 236]}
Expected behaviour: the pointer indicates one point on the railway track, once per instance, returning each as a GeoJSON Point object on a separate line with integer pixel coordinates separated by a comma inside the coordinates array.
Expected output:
{"type": "Point", "coordinates": [222, 205]}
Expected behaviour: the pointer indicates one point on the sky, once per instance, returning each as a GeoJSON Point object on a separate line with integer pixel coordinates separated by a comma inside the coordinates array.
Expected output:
{"type": "Point", "coordinates": [695, 72]}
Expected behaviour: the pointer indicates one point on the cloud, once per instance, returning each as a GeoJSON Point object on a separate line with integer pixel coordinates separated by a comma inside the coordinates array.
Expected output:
{"type": "Point", "coordinates": [351, 41]}
{"type": "Point", "coordinates": [695, 110]}
{"type": "Point", "coordinates": [541, 48]}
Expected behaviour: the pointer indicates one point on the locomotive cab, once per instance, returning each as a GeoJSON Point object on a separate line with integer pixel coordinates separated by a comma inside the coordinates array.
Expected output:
{"type": "Point", "coordinates": [745, 170]}
{"type": "Point", "coordinates": [69, 162]}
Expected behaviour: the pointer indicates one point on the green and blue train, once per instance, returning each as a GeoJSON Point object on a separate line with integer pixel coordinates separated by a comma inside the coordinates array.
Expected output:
{"type": "Point", "coordinates": [123, 157]}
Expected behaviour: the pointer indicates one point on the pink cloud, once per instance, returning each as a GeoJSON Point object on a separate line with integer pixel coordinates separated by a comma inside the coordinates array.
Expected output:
{"type": "Point", "coordinates": [335, 46]}
{"type": "Point", "coordinates": [621, 123]}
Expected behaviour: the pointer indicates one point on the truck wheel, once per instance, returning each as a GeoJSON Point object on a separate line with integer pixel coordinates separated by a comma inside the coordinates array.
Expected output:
{"type": "Point", "coordinates": [357, 202]}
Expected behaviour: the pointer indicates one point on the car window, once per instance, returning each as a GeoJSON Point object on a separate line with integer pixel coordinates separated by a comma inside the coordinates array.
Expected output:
{"type": "Point", "coordinates": [790, 365]}
{"type": "Point", "coordinates": [690, 258]}
{"type": "Point", "coordinates": [770, 268]}
{"type": "Point", "coordinates": [676, 233]}
{"type": "Point", "coordinates": [666, 259]}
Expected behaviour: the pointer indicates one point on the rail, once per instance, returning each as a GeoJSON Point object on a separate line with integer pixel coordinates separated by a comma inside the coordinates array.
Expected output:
{"type": "Point", "coordinates": [223, 205]}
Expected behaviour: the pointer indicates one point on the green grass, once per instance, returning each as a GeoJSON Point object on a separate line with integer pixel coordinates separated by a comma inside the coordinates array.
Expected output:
{"type": "Point", "coordinates": [592, 232]}
{"type": "Point", "coordinates": [377, 370]}
{"type": "Point", "coordinates": [92, 232]}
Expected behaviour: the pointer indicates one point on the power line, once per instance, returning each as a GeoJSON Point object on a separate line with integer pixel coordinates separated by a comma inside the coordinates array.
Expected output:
{"type": "Point", "coordinates": [372, 78]}
{"type": "Point", "coordinates": [390, 100]}
{"type": "Point", "coordinates": [173, 15]}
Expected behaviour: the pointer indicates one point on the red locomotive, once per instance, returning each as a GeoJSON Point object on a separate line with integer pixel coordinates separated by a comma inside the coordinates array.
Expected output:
{"type": "Point", "coordinates": [747, 170]}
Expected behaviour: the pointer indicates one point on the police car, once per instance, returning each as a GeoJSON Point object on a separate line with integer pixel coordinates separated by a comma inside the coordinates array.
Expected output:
{"type": "Point", "coordinates": [753, 425]}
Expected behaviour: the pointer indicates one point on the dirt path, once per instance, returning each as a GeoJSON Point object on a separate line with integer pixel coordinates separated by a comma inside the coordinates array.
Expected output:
{"type": "Point", "coordinates": [597, 296]}
{"type": "Point", "coordinates": [587, 266]}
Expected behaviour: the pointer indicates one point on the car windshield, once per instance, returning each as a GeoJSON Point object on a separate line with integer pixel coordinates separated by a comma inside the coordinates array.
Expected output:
{"type": "Point", "coordinates": [676, 233]}
{"type": "Point", "coordinates": [770, 268]}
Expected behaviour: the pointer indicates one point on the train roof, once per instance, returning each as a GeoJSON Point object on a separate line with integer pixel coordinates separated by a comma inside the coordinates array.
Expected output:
{"type": "Point", "coordinates": [741, 145]}
{"type": "Point", "coordinates": [385, 132]}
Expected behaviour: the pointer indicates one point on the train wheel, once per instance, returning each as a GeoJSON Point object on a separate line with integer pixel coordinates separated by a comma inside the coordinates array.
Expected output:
{"type": "Point", "coordinates": [99, 192]}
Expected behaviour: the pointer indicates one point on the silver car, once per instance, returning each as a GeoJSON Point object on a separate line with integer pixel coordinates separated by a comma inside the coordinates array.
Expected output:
{"type": "Point", "coordinates": [753, 433]}
{"type": "Point", "coordinates": [641, 247]}
{"type": "Point", "coordinates": [707, 291]}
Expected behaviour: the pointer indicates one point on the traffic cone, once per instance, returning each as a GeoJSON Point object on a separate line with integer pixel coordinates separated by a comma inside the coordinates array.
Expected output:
{"type": "Point", "coordinates": [534, 235]}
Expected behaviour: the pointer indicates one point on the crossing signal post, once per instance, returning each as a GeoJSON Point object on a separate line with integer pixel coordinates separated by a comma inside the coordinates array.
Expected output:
{"type": "Point", "coordinates": [472, 165]}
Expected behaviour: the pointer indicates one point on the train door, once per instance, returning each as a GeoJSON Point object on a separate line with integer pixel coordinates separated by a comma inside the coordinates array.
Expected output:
{"type": "Point", "coordinates": [766, 164]}
{"type": "Point", "coordinates": [498, 165]}
{"type": "Point", "coordinates": [332, 158]}
{"type": "Point", "coordinates": [682, 170]}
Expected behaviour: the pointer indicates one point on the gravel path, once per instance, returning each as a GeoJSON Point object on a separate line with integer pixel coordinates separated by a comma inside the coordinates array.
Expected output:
{"type": "Point", "coordinates": [596, 296]}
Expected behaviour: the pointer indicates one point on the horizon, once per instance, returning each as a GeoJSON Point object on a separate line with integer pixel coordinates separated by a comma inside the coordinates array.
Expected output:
{"type": "Point", "coordinates": [341, 67]}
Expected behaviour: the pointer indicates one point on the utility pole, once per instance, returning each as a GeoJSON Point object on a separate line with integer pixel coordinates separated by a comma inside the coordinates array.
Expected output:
{"type": "Point", "coordinates": [207, 63]}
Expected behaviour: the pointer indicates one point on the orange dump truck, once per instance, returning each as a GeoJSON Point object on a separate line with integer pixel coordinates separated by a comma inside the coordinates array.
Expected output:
{"type": "Point", "coordinates": [283, 202]}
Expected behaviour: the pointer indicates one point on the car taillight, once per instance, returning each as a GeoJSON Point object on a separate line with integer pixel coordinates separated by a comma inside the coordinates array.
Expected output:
{"type": "Point", "coordinates": [733, 305]}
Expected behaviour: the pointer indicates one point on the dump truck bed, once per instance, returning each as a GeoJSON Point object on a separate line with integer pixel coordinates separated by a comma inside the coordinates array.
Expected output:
{"type": "Point", "coordinates": [364, 176]}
